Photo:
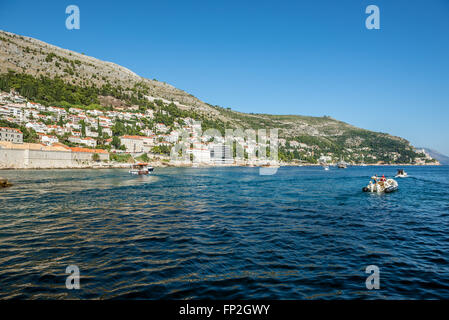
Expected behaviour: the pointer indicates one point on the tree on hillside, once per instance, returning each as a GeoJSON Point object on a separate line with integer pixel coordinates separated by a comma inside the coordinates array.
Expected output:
{"type": "Point", "coordinates": [83, 128]}
{"type": "Point", "coordinates": [100, 130]}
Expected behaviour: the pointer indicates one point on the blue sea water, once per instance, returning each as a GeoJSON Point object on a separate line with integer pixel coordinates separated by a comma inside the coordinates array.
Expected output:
{"type": "Point", "coordinates": [224, 233]}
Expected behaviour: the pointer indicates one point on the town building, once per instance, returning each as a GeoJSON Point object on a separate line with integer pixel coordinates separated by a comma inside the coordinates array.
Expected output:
{"type": "Point", "coordinates": [132, 143]}
{"type": "Point", "coordinates": [11, 134]}
{"type": "Point", "coordinates": [48, 139]}
{"type": "Point", "coordinates": [88, 141]}
{"type": "Point", "coordinates": [201, 155]}
{"type": "Point", "coordinates": [221, 154]}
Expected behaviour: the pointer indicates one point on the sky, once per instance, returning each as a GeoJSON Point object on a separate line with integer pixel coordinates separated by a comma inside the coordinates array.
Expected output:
{"type": "Point", "coordinates": [280, 57]}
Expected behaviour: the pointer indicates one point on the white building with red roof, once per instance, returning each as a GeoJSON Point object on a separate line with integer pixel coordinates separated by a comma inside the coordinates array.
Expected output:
{"type": "Point", "coordinates": [11, 134]}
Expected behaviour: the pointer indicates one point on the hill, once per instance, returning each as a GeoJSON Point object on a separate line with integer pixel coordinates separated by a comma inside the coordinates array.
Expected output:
{"type": "Point", "coordinates": [443, 159]}
{"type": "Point", "coordinates": [54, 76]}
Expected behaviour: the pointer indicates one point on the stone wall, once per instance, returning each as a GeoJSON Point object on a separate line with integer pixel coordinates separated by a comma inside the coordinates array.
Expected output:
{"type": "Point", "coordinates": [10, 158]}
{"type": "Point", "coordinates": [39, 159]}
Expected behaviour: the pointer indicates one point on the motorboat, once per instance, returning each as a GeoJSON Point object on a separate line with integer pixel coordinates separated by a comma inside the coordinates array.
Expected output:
{"type": "Point", "coordinates": [380, 185]}
{"type": "Point", "coordinates": [401, 174]}
{"type": "Point", "coordinates": [141, 169]}
{"type": "Point", "coordinates": [326, 168]}
{"type": "Point", "coordinates": [342, 165]}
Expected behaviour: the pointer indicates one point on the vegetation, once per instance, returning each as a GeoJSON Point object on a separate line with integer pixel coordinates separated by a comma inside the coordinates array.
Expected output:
{"type": "Point", "coordinates": [143, 158]}
{"type": "Point", "coordinates": [165, 150]}
{"type": "Point", "coordinates": [121, 157]}
{"type": "Point", "coordinates": [47, 91]}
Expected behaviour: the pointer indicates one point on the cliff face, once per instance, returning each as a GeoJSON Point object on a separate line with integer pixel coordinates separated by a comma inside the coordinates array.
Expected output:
{"type": "Point", "coordinates": [308, 136]}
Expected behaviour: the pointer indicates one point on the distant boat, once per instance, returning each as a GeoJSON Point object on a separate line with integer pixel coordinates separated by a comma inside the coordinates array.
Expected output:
{"type": "Point", "coordinates": [326, 168]}
{"type": "Point", "coordinates": [401, 174]}
{"type": "Point", "coordinates": [269, 165]}
{"type": "Point", "coordinates": [141, 169]}
{"type": "Point", "coordinates": [342, 165]}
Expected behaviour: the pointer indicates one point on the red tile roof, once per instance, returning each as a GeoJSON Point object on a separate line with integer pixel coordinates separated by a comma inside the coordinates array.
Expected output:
{"type": "Point", "coordinates": [14, 129]}
{"type": "Point", "coordinates": [78, 149]}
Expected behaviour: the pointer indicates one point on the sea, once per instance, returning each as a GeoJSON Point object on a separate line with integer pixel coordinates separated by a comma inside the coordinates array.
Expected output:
{"type": "Point", "coordinates": [224, 233]}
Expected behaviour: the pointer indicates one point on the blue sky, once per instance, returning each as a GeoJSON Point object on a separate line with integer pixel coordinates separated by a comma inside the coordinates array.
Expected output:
{"type": "Point", "coordinates": [284, 57]}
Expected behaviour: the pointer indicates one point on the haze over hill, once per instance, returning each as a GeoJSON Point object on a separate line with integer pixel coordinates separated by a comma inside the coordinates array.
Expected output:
{"type": "Point", "coordinates": [110, 85]}
{"type": "Point", "coordinates": [442, 158]}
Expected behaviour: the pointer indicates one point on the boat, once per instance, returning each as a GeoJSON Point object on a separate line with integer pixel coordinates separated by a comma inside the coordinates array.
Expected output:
{"type": "Point", "coordinates": [380, 186]}
{"type": "Point", "coordinates": [401, 174]}
{"type": "Point", "coordinates": [342, 165]}
{"type": "Point", "coordinates": [141, 169]}
{"type": "Point", "coordinates": [268, 169]}
{"type": "Point", "coordinates": [326, 168]}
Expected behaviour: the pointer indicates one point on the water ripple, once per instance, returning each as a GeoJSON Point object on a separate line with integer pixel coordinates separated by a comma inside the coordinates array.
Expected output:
{"type": "Point", "coordinates": [223, 233]}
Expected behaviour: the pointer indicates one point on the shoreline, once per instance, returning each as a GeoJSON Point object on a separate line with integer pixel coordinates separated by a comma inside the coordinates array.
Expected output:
{"type": "Point", "coordinates": [168, 165]}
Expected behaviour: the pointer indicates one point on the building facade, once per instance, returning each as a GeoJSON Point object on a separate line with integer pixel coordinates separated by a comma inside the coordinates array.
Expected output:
{"type": "Point", "coordinates": [221, 154]}
{"type": "Point", "coordinates": [11, 135]}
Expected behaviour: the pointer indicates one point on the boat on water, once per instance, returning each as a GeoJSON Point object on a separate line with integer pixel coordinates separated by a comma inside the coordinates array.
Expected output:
{"type": "Point", "coordinates": [141, 169]}
{"type": "Point", "coordinates": [342, 165]}
{"type": "Point", "coordinates": [381, 185]}
{"type": "Point", "coordinates": [401, 174]}
{"type": "Point", "coordinates": [269, 165]}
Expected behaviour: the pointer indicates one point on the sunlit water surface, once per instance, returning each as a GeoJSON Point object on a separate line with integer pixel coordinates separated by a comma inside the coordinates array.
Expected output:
{"type": "Point", "coordinates": [224, 233]}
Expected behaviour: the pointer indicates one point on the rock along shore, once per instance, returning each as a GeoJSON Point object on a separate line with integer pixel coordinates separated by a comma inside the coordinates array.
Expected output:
{"type": "Point", "coordinates": [4, 183]}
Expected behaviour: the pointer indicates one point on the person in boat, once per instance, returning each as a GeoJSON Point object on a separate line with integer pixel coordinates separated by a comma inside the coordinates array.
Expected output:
{"type": "Point", "coordinates": [375, 178]}
{"type": "Point", "coordinates": [382, 181]}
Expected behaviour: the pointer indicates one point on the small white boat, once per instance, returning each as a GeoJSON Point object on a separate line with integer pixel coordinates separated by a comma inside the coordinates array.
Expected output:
{"type": "Point", "coordinates": [326, 168]}
{"type": "Point", "coordinates": [379, 185]}
{"type": "Point", "coordinates": [401, 174]}
{"type": "Point", "coordinates": [141, 169]}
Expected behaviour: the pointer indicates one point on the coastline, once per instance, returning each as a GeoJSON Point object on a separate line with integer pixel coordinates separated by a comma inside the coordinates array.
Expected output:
{"type": "Point", "coordinates": [121, 165]}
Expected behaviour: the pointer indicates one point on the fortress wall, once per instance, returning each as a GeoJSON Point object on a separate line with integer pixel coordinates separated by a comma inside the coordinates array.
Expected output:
{"type": "Point", "coordinates": [40, 159]}
{"type": "Point", "coordinates": [10, 158]}
{"type": "Point", "coordinates": [48, 159]}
